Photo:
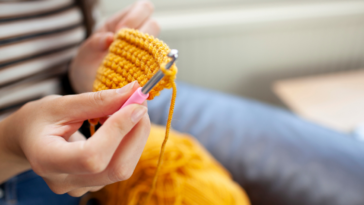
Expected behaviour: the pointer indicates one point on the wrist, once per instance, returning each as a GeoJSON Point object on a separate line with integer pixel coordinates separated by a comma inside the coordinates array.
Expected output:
{"type": "Point", "coordinates": [12, 159]}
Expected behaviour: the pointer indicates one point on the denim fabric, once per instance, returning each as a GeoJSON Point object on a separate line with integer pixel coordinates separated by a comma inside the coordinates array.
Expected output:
{"type": "Point", "coordinates": [279, 158]}
{"type": "Point", "coordinates": [30, 189]}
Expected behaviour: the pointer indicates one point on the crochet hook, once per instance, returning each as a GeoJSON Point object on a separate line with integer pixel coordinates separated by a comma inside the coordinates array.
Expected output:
{"type": "Point", "coordinates": [141, 94]}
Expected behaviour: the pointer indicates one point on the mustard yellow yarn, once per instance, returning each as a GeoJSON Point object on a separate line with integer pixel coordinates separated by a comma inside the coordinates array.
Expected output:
{"type": "Point", "coordinates": [134, 56]}
{"type": "Point", "coordinates": [188, 174]}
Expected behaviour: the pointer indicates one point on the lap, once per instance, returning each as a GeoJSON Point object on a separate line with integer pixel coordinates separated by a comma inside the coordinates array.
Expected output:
{"type": "Point", "coordinates": [269, 151]}
{"type": "Point", "coordinates": [30, 189]}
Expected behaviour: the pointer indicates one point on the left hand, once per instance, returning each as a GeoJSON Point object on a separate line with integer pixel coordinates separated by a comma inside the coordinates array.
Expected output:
{"type": "Point", "coordinates": [43, 135]}
{"type": "Point", "coordinates": [91, 53]}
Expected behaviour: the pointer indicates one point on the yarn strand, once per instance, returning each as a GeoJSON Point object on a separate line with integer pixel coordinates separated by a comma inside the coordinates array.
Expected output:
{"type": "Point", "coordinates": [93, 123]}
{"type": "Point", "coordinates": [168, 127]}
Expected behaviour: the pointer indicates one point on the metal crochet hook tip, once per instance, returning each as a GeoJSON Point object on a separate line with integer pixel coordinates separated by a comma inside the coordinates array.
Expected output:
{"type": "Point", "coordinates": [159, 75]}
{"type": "Point", "coordinates": [173, 54]}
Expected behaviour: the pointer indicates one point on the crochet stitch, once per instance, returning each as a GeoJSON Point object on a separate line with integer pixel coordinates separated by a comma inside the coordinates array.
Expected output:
{"type": "Point", "coordinates": [135, 56]}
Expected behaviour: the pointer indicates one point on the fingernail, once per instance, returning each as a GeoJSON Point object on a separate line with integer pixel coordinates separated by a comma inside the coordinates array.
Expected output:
{"type": "Point", "coordinates": [138, 113]}
{"type": "Point", "coordinates": [126, 88]}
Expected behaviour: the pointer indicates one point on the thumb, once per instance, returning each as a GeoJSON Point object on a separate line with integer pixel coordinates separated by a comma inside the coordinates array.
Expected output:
{"type": "Point", "coordinates": [93, 104]}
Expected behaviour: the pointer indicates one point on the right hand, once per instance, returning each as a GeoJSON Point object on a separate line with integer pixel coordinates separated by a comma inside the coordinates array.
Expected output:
{"type": "Point", "coordinates": [44, 134]}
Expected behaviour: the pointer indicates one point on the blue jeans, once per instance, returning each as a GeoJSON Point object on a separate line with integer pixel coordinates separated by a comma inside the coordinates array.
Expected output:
{"type": "Point", "coordinates": [30, 189]}
{"type": "Point", "coordinates": [276, 156]}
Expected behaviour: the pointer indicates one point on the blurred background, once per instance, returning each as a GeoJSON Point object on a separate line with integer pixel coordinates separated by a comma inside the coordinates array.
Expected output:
{"type": "Point", "coordinates": [244, 47]}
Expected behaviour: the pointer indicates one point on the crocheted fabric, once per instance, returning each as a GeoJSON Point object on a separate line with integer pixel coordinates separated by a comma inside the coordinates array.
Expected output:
{"type": "Point", "coordinates": [135, 56]}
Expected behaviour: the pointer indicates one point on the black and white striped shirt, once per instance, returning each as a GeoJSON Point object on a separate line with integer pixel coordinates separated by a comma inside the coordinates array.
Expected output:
{"type": "Point", "coordinates": [37, 41]}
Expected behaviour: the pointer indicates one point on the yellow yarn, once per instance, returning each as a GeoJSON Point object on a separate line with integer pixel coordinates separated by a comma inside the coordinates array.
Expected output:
{"type": "Point", "coordinates": [135, 56]}
{"type": "Point", "coordinates": [189, 174]}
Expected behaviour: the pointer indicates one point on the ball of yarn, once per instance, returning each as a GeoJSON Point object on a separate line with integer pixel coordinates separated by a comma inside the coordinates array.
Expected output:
{"type": "Point", "coordinates": [189, 176]}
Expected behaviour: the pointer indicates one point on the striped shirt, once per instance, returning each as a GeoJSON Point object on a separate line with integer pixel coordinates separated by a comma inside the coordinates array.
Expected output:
{"type": "Point", "coordinates": [37, 41]}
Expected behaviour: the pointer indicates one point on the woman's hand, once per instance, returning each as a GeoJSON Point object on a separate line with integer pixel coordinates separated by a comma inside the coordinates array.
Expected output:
{"type": "Point", "coordinates": [43, 134]}
{"type": "Point", "coordinates": [93, 50]}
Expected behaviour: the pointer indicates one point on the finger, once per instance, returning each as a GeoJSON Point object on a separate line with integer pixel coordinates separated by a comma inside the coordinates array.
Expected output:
{"type": "Point", "coordinates": [103, 119]}
{"type": "Point", "coordinates": [107, 139]}
{"type": "Point", "coordinates": [129, 151]}
{"type": "Point", "coordinates": [79, 192]}
{"type": "Point", "coordinates": [93, 155]}
{"type": "Point", "coordinates": [77, 136]}
{"type": "Point", "coordinates": [96, 188]}
{"type": "Point", "coordinates": [99, 41]}
{"type": "Point", "coordinates": [123, 163]}
{"type": "Point", "coordinates": [111, 23]}
{"type": "Point", "coordinates": [74, 108]}
{"type": "Point", "coordinates": [136, 16]}
{"type": "Point", "coordinates": [60, 186]}
{"type": "Point", "coordinates": [150, 27]}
